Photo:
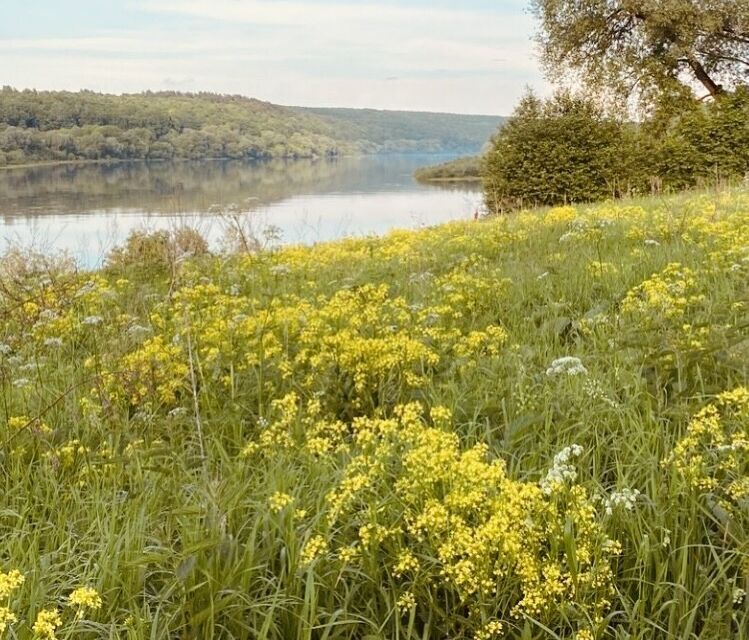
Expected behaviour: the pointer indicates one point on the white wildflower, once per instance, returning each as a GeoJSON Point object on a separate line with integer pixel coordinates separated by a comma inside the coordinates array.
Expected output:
{"type": "Point", "coordinates": [48, 314]}
{"type": "Point", "coordinates": [280, 269]}
{"type": "Point", "coordinates": [567, 365]}
{"type": "Point", "coordinates": [562, 470]}
{"type": "Point", "coordinates": [138, 332]}
{"type": "Point", "coordinates": [626, 498]}
{"type": "Point", "coordinates": [594, 390]}
{"type": "Point", "coordinates": [53, 343]}
{"type": "Point", "coordinates": [92, 321]}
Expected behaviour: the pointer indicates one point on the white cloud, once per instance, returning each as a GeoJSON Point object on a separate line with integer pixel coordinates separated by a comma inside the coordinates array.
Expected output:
{"type": "Point", "coordinates": [296, 53]}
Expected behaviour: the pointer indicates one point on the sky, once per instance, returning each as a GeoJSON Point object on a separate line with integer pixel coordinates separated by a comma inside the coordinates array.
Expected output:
{"type": "Point", "coordinates": [467, 56]}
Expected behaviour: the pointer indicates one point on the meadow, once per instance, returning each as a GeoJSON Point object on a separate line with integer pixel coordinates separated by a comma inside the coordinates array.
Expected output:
{"type": "Point", "coordinates": [533, 426]}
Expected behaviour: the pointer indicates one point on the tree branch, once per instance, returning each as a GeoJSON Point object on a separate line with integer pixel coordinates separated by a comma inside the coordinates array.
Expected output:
{"type": "Point", "coordinates": [703, 76]}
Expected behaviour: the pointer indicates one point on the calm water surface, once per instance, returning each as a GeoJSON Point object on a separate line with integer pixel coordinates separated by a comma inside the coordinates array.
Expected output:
{"type": "Point", "coordinates": [87, 209]}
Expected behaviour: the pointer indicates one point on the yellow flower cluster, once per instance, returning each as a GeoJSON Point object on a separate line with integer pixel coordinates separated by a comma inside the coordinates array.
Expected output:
{"type": "Point", "coordinates": [46, 624]}
{"type": "Point", "coordinates": [490, 536]}
{"type": "Point", "coordinates": [713, 457]}
{"type": "Point", "coordinates": [279, 501]}
{"type": "Point", "coordinates": [9, 582]}
{"type": "Point", "coordinates": [84, 598]}
{"type": "Point", "coordinates": [316, 547]}
{"type": "Point", "coordinates": [155, 372]}
{"type": "Point", "coordinates": [665, 295]}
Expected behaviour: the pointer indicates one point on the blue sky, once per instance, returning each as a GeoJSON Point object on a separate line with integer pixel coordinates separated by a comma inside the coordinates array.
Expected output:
{"type": "Point", "coordinates": [476, 56]}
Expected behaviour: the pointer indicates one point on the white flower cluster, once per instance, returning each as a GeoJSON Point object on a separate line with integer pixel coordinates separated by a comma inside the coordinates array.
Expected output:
{"type": "Point", "coordinates": [92, 321]}
{"type": "Point", "coordinates": [562, 471]}
{"type": "Point", "coordinates": [626, 498]}
{"type": "Point", "coordinates": [138, 332]}
{"type": "Point", "coordinates": [280, 270]}
{"type": "Point", "coordinates": [594, 390]}
{"type": "Point", "coordinates": [420, 277]}
{"type": "Point", "coordinates": [5, 349]}
{"type": "Point", "coordinates": [567, 365]}
{"type": "Point", "coordinates": [652, 243]}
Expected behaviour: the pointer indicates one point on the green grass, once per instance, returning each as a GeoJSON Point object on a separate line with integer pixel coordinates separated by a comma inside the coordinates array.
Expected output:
{"type": "Point", "coordinates": [127, 466]}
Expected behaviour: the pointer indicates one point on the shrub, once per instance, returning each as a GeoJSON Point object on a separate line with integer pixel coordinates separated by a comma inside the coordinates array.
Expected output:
{"type": "Point", "coordinates": [550, 152]}
{"type": "Point", "coordinates": [160, 250]}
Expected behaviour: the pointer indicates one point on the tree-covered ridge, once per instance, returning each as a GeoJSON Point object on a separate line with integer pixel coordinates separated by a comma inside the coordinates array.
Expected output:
{"type": "Point", "coordinates": [410, 130]}
{"type": "Point", "coordinates": [56, 126]}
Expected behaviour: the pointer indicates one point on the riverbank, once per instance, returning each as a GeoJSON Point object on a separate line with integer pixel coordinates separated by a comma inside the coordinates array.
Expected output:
{"type": "Point", "coordinates": [465, 169]}
{"type": "Point", "coordinates": [534, 423]}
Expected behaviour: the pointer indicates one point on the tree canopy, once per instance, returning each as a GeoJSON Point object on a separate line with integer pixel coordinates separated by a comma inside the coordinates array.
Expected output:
{"type": "Point", "coordinates": [49, 126]}
{"type": "Point", "coordinates": [649, 47]}
{"type": "Point", "coordinates": [560, 150]}
{"type": "Point", "coordinates": [565, 149]}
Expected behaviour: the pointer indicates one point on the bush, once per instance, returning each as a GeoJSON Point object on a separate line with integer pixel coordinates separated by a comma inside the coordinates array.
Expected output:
{"type": "Point", "coordinates": [704, 142]}
{"type": "Point", "coordinates": [556, 151]}
{"type": "Point", "coordinates": [157, 250]}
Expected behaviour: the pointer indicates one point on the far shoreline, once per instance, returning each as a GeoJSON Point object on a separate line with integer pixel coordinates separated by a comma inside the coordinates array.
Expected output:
{"type": "Point", "coordinates": [82, 161]}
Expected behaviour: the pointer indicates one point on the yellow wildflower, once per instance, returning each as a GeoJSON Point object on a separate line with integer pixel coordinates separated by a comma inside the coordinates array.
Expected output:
{"type": "Point", "coordinates": [47, 621]}
{"type": "Point", "coordinates": [84, 598]}
{"type": "Point", "coordinates": [7, 618]}
{"type": "Point", "coordinates": [279, 501]}
{"type": "Point", "coordinates": [9, 582]}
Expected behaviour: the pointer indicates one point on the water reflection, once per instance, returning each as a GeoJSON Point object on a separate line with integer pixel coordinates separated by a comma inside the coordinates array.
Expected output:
{"type": "Point", "coordinates": [87, 208]}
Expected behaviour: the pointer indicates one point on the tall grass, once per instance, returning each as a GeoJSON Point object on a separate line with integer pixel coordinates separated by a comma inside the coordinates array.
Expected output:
{"type": "Point", "coordinates": [241, 447]}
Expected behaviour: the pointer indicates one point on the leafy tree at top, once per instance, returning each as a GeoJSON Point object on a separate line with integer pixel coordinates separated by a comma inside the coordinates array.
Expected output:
{"type": "Point", "coordinates": [649, 47]}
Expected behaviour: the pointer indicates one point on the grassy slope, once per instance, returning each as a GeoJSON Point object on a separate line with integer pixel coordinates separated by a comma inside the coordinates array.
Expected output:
{"type": "Point", "coordinates": [195, 457]}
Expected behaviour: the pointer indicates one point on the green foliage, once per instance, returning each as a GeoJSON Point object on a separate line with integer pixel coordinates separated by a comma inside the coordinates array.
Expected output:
{"type": "Point", "coordinates": [532, 425]}
{"type": "Point", "coordinates": [560, 150]}
{"type": "Point", "coordinates": [566, 150]}
{"type": "Point", "coordinates": [461, 169]}
{"type": "Point", "coordinates": [57, 126]}
{"type": "Point", "coordinates": [652, 48]}
{"type": "Point", "coordinates": [704, 143]}
{"type": "Point", "coordinates": [157, 250]}
{"type": "Point", "coordinates": [404, 131]}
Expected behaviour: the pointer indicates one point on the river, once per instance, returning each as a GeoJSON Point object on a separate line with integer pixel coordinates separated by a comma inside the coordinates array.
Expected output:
{"type": "Point", "coordinates": [86, 209]}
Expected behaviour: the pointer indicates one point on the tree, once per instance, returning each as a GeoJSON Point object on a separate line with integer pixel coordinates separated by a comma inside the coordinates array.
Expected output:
{"type": "Point", "coordinates": [650, 47]}
{"type": "Point", "coordinates": [555, 151]}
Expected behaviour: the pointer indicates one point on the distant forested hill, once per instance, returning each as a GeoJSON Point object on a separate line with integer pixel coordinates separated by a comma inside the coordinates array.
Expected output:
{"type": "Point", "coordinates": [384, 131]}
{"type": "Point", "coordinates": [39, 126]}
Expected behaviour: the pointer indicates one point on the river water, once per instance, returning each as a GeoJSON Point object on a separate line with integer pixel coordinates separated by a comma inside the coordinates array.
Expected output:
{"type": "Point", "coordinates": [87, 209]}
